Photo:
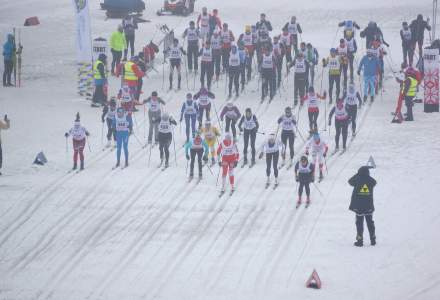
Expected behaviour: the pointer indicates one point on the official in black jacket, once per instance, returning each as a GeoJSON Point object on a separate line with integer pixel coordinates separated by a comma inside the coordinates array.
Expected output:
{"type": "Point", "coordinates": [362, 204]}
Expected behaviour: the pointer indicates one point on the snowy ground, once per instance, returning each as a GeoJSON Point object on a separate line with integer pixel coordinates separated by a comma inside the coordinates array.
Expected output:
{"type": "Point", "coordinates": [146, 234]}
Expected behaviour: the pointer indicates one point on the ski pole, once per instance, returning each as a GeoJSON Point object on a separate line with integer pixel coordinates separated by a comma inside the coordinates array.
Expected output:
{"type": "Point", "coordinates": [218, 174]}
{"type": "Point", "coordinates": [102, 135]}
{"type": "Point", "coordinates": [145, 123]}
{"type": "Point", "coordinates": [174, 145]}
{"type": "Point", "coordinates": [88, 144]}
{"type": "Point", "coordinates": [186, 168]}
{"type": "Point", "coordinates": [67, 149]}
{"type": "Point", "coordinates": [325, 162]}
{"type": "Point", "coordinates": [216, 114]}
{"type": "Point", "coordinates": [316, 187]}
{"type": "Point", "coordinates": [209, 168]}
{"type": "Point", "coordinates": [138, 140]}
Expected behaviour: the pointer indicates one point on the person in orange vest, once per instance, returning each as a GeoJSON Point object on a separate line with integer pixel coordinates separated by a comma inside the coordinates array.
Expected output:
{"type": "Point", "coordinates": [131, 74]}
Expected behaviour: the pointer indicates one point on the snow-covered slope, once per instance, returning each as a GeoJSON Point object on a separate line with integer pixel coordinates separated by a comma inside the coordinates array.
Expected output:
{"type": "Point", "coordinates": [146, 234]}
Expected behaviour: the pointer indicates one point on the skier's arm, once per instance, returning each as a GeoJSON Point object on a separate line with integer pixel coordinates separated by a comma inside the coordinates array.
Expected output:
{"type": "Point", "coordinates": [161, 101]}
{"type": "Point", "coordinates": [355, 25]}
{"type": "Point", "coordinates": [196, 96]}
{"type": "Point", "coordinates": [205, 150]}
{"type": "Point", "coordinates": [269, 26]}
{"type": "Point", "coordinates": [299, 28]}
{"type": "Point", "coordinates": [237, 112]}
{"type": "Point", "coordinates": [280, 119]}
{"type": "Point", "coordinates": [198, 21]}
{"type": "Point", "coordinates": [101, 70]}
{"type": "Point", "coordinates": [211, 95]}
{"type": "Point", "coordinates": [104, 112]}
{"type": "Point", "coordinates": [241, 123]}
{"type": "Point", "coordinates": [427, 26]}
{"type": "Point", "coordinates": [172, 121]}
{"type": "Point", "coordinates": [256, 123]}
{"type": "Point", "coordinates": [296, 169]}
{"type": "Point", "coordinates": [286, 26]}
{"type": "Point", "coordinates": [340, 24]}
{"type": "Point", "coordinates": [222, 114]}
{"type": "Point", "coordinates": [406, 86]}
{"type": "Point", "coordinates": [185, 33]}
{"type": "Point", "coordinates": [332, 111]}
{"type": "Point", "coordinates": [361, 64]}
{"type": "Point", "coordinates": [352, 180]}
{"type": "Point", "coordinates": [187, 147]}
{"type": "Point", "coordinates": [219, 150]}
{"type": "Point", "coordinates": [358, 96]}
{"type": "Point", "coordinates": [182, 111]}
{"type": "Point", "coordinates": [130, 125]}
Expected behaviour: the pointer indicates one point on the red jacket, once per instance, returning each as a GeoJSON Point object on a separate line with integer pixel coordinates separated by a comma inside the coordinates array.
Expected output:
{"type": "Point", "coordinates": [136, 71]}
{"type": "Point", "coordinates": [230, 158]}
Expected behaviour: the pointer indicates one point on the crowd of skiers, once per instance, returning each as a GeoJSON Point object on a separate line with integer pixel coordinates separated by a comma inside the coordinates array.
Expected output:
{"type": "Point", "coordinates": [212, 46]}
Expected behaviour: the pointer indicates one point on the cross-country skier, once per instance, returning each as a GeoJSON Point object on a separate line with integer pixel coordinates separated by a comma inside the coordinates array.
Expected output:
{"type": "Point", "coordinates": [267, 69]}
{"type": "Point", "coordinates": [79, 135]}
{"type": "Point", "coordinates": [126, 96]}
{"type": "Point", "coordinates": [196, 147]}
{"type": "Point", "coordinates": [231, 114]}
{"type": "Point", "coordinates": [130, 25]}
{"type": "Point", "coordinates": [4, 125]}
{"type": "Point", "coordinates": [286, 40]}
{"type": "Point", "coordinates": [249, 125]}
{"type": "Point", "coordinates": [300, 79]}
{"type": "Point", "coordinates": [214, 22]}
{"type": "Point", "coordinates": [217, 46]}
{"type": "Point", "coordinates": [203, 24]}
{"type": "Point", "coordinates": [294, 29]}
{"type": "Point", "coordinates": [8, 57]}
{"type": "Point", "coordinates": [130, 73]}
{"type": "Point", "coordinates": [409, 91]}
{"type": "Point", "coordinates": [210, 135]}
{"type": "Point", "coordinates": [370, 65]}
{"type": "Point", "coordinates": [379, 52]}
{"type": "Point", "coordinates": [175, 56]}
{"type": "Point", "coordinates": [124, 128]}
{"type": "Point", "coordinates": [228, 152]}
{"type": "Point", "coordinates": [108, 115]}
{"type": "Point", "coordinates": [154, 105]}
{"type": "Point", "coordinates": [204, 99]}
{"type": "Point", "coordinates": [342, 52]}
{"type": "Point", "coordinates": [227, 39]}
{"type": "Point", "coordinates": [351, 52]}
{"type": "Point", "coordinates": [165, 137]}
{"type": "Point", "coordinates": [100, 79]}
{"type": "Point", "coordinates": [249, 40]}
{"type": "Point", "coordinates": [418, 27]}
{"type": "Point", "coordinates": [362, 204]}
{"type": "Point", "coordinates": [351, 105]}
{"type": "Point", "coordinates": [288, 125]}
{"type": "Point", "coordinates": [407, 44]}
{"type": "Point", "coordinates": [304, 175]}
{"type": "Point", "coordinates": [312, 99]}
{"type": "Point", "coordinates": [192, 35]}
{"type": "Point", "coordinates": [234, 71]}
{"type": "Point", "coordinates": [263, 25]}
{"type": "Point", "coordinates": [350, 27]}
{"type": "Point", "coordinates": [271, 148]}
{"type": "Point", "coordinates": [189, 110]}
{"type": "Point", "coordinates": [341, 123]}
{"type": "Point", "coordinates": [264, 41]}
{"type": "Point", "coordinates": [206, 65]}
{"type": "Point", "coordinates": [318, 149]}
{"type": "Point", "coordinates": [334, 73]}
{"type": "Point", "coordinates": [278, 51]}
{"type": "Point", "coordinates": [312, 57]}
{"type": "Point", "coordinates": [371, 32]}
{"type": "Point", "coordinates": [244, 62]}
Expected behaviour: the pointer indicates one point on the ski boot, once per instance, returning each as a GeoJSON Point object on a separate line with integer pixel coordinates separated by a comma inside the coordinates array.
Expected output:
{"type": "Point", "coordinates": [126, 163]}
{"type": "Point", "coordinates": [308, 201]}
{"type": "Point", "coordinates": [365, 99]}
{"type": "Point", "coordinates": [373, 240]}
{"type": "Point", "coordinates": [109, 144]}
{"type": "Point", "coordinates": [371, 99]}
{"type": "Point", "coordinates": [200, 176]}
{"type": "Point", "coordinates": [267, 182]}
{"type": "Point", "coordinates": [321, 177]}
{"type": "Point", "coordinates": [245, 161]}
{"type": "Point", "coordinates": [359, 241]}
{"type": "Point", "coordinates": [298, 203]}
{"type": "Point", "coordinates": [74, 166]}
{"type": "Point", "coordinates": [166, 164]}
{"type": "Point", "coordinates": [81, 165]}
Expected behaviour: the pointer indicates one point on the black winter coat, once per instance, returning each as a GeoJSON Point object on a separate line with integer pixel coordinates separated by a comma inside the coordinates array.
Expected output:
{"type": "Point", "coordinates": [362, 197]}
{"type": "Point", "coordinates": [418, 27]}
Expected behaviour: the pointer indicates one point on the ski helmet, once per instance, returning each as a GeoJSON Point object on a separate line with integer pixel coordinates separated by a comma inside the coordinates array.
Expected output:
{"type": "Point", "coordinates": [176, 41]}
{"type": "Point", "coordinates": [189, 96]}
{"type": "Point", "coordinates": [304, 159]}
{"type": "Point", "coordinates": [229, 103]}
{"type": "Point", "coordinates": [154, 94]}
{"type": "Point", "coordinates": [102, 57]}
{"type": "Point", "coordinates": [120, 111]}
{"type": "Point", "coordinates": [228, 136]}
{"type": "Point", "coordinates": [342, 41]}
{"type": "Point", "coordinates": [191, 23]}
{"type": "Point", "coordinates": [288, 111]}
{"type": "Point", "coordinates": [113, 101]}
{"type": "Point", "coordinates": [203, 91]}
{"type": "Point", "coordinates": [333, 50]}
{"type": "Point", "coordinates": [247, 28]}
{"type": "Point", "coordinates": [316, 137]}
{"type": "Point", "coordinates": [248, 110]}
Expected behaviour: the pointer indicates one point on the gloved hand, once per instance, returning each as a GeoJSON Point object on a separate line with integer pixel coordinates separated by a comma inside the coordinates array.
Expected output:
{"type": "Point", "coordinates": [329, 123]}
{"type": "Point", "coordinates": [307, 152]}
{"type": "Point", "coordinates": [6, 118]}
{"type": "Point", "coordinates": [103, 121]}
{"type": "Point", "coordinates": [66, 135]}
{"type": "Point", "coordinates": [359, 72]}
{"type": "Point", "coordinates": [187, 157]}
{"type": "Point", "coordinates": [296, 178]}
{"type": "Point", "coordinates": [325, 154]}
{"type": "Point", "coordinates": [261, 155]}
{"type": "Point", "coordinates": [219, 163]}
{"type": "Point", "coordinates": [205, 158]}
{"type": "Point", "coordinates": [235, 164]}
{"type": "Point", "coordinates": [87, 134]}
{"type": "Point", "coordinates": [180, 120]}
{"type": "Point", "coordinates": [313, 179]}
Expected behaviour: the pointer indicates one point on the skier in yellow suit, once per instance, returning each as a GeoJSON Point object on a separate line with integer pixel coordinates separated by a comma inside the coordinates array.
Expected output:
{"type": "Point", "coordinates": [211, 134]}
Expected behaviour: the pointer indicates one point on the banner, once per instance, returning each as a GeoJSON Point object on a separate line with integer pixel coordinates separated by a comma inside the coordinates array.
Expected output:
{"type": "Point", "coordinates": [431, 67]}
{"type": "Point", "coordinates": [83, 47]}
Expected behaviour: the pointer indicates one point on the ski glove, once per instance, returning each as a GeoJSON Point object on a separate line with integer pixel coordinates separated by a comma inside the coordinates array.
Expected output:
{"type": "Point", "coordinates": [235, 164]}
{"type": "Point", "coordinates": [66, 135]}
{"type": "Point", "coordinates": [313, 179]}
{"type": "Point", "coordinates": [205, 158]}
{"type": "Point", "coordinates": [325, 154]}
{"type": "Point", "coordinates": [296, 178]}
{"type": "Point", "coordinates": [261, 155]}
{"type": "Point", "coordinates": [359, 72]}
{"type": "Point", "coordinates": [187, 157]}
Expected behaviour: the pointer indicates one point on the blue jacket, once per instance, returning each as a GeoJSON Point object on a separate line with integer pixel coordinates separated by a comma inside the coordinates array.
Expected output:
{"type": "Point", "coordinates": [9, 48]}
{"type": "Point", "coordinates": [189, 146]}
{"type": "Point", "coordinates": [370, 65]}
{"type": "Point", "coordinates": [185, 112]}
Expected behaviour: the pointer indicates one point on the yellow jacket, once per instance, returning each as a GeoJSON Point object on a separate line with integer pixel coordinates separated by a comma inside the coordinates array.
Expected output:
{"type": "Point", "coordinates": [210, 135]}
{"type": "Point", "coordinates": [117, 41]}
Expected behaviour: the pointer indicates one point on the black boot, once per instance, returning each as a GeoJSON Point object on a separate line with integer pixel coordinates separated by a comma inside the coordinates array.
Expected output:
{"type": "Point", "coordinates": [74, 166]}
{"type": "Point", "coordinates": [81, 165]}
{"type": "Point", "coordinates": [373, 240]}
{"type": "Point", "coordinates": [372, 99]}
{"type": "Point", "coordinates": [359, 241]}
{"type": "Point", "coordinates": [365, 99]}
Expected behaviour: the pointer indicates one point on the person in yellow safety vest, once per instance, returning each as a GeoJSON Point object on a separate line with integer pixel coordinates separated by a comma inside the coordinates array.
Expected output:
{"type": "Point", "coordinates": [99, 75]}
{"type": "Point", "coordinates": [409, 91]}
{"type": "Point", "coordinates": [210, 135]}
{"type": "Point", "coordinates": [118, 44]}
{"type": "Point", "coordinates": [334, 72]}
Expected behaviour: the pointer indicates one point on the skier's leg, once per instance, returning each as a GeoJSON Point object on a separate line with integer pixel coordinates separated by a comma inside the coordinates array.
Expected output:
{"type": "Point", "coordinates": [315, 120]}
{"type": "Point", "coordinates": [193, 124]}
{"type": "Point", "coordinates": [344, 133]}
{"type": "Point", "coordinates": [353, 118]}
{"type": "Point", "coordinates": [371, 228]}
{"type": "Point", "coordinates": [300, 189]}
{"type": "Point", "coordinates": [228, 124]}
{"type": "Point", "coordinates": [126, 148]}
{"type": "Point", "coordinates": [276, 156]}
{"type": "Point", "coordinates": [118, 147]}
{"type": "Point", "coordinates": [338, 86]}
{"type": "Point", "coordinates": [307, 186]}
{"type": "Point", "coordinates": [253, 138]}
{"type": "Point", "coordinates": [231, 79]}
{"type": "Point", "coordinates": [191, 165]}
{"type": "Point", "coordinates": [338, 132]}
{"type": "Point", "coordinates": [360, 227]}
{"type": "Point", "coordinates": [1, 156]}
{"type": "Point", "coordinates": [330, 87]}
{"type": "Point", "coordinates": [189, 57]}
{"type": "Point", "coordinates": [231, 174]}
{"type": "Point", "coordinates": [199, 161]}
{"type": "Point", "coordinates": [246, 137]}
{"type": "Point", "coordinates": [234, 130]}
{"type": "Point", "coordinates": [202, 73]}
{"type": "Point", "coordinates": [291, 138]}
{"type": "Point", "coordinates": [284, 136]}
{"type": "Point", "coordinates": [196, 58]}
{"type": "Point", "coordinates": [208, 112]}
{"type": "Point", "coordinates": [268, 163]}
{"type": "Point", "coordinates": [187, 126]}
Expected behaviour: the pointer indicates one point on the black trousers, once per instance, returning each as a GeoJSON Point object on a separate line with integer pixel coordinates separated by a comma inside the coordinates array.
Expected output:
{"type": "Point", "coordinates": [350, 64]}
{"type": "Point", "coordinates": [208, 113]}
{"type": "Point", "coordinates": [130, 44]}
{"type": "Point", "coordinates": [288, 136]}
{"type": "Point", "coordinates": [98, 95]}
{"type": "Point", "coordinates": [234, 77]}
{"type": "Point", "coordinates": [230, 125]}
{"type": "Point", "coordinates": [409, 108]}
{"type": "Point", "coordinates": [303, 185]}
{"type": "Point", "coordinates": [249, 135]}
{"type": "Point", "coordinates": [341, 127]}
{"type": "Point", "coordinates": [279, 66]}
{"type": "Point", "coordinates": [249, 66]}
{"type": "Point", "coordinates": [408, 54]}
{"type": "Point", "coordinates": [116, 59]}
{"type": "Point", "coordinates": [344, 71]}
{"type": "Point", "coordinates": [334, 80]}
{"type": "Point", "coordinates": [299, 86]}
{"type": "Point", "coordinates": [207, 69]}
{"type": "Point", "coordinates": [360, 226]}
{"type": "Point", "coordinates": [164, 145]}
{"type": "Point", "coordinates": [217, 59]}
{"type": "Point", "coordinates": [193, 56]}
{"type": "Point", "coordinates": [352, 113]}
{"type": "Point", "coordinates": [110, 130]}
{"type": "Point", "coordinates": [7, 73]}
{"type": "Point", "coordinates": [272, 160]}
{"type": "Point", "coordinates": [199, 154]}
{"type": "Point", "coordinates": [225, 58]}
{"type": "Point", "coordinates": [267, 83]}
{"type": "Point", "coordinates": [313, 119]}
